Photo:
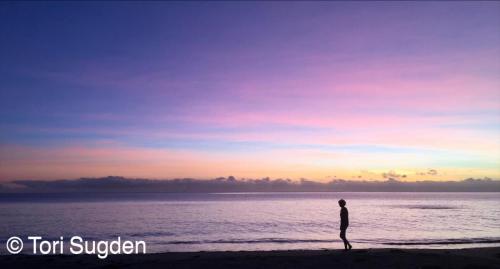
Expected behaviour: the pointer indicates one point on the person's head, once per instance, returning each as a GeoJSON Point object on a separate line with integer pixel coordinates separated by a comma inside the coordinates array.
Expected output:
{"type": "Point", "coordinates": [341, 202]}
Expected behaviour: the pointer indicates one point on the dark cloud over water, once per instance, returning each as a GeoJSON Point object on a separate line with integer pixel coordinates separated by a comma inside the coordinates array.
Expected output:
{"type": "Point", "coordinates": [232, 184]}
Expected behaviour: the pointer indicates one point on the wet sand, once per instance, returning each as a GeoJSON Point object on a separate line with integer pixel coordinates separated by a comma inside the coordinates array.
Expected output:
{"type": "Point", "coordinates": [362, 258]}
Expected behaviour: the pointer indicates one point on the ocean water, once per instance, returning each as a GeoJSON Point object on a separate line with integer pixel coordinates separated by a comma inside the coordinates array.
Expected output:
{"type": "Point", "coordinates": [258, 221]}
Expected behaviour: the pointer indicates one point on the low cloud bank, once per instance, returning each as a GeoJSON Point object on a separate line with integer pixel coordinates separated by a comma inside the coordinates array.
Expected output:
{"type": "Point", "coordinates": [231, 184]}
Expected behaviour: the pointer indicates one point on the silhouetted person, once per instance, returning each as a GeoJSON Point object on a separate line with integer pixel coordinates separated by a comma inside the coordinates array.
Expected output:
{"type": "Point", "coordinates": [344, 223]}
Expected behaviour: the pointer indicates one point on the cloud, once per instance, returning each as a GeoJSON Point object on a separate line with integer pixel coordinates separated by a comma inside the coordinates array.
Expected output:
{"type": "Point", "coordinates": [393, 175]}
{"type": "Point", "coordinates": [232, 184]}
{"type": "Point", "coordinates": [429, 172]}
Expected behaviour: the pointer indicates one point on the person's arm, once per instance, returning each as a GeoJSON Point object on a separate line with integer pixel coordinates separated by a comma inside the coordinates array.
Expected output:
{"type": "Point", "coordinates": [347, 217]}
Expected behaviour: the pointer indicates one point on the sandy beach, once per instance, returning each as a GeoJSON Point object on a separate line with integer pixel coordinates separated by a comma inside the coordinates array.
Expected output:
{"type": "Point", "coordinates": [362, 258]}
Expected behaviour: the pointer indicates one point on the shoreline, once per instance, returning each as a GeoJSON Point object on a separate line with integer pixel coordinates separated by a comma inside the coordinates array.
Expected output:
{"type": "Point", "coordinates": [488, 257]}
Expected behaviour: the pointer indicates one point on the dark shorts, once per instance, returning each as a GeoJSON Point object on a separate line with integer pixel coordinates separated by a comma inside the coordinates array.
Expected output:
{"type": "Point", "coordinates": [342, 232]}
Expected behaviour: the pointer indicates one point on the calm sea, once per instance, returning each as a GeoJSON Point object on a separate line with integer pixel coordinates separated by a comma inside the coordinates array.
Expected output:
{"type": "Point", "coordinates": [258, 221]}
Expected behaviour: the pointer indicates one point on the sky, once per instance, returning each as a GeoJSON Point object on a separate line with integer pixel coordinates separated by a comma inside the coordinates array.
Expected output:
{"type": "Point", "coordinates": [317, 90]}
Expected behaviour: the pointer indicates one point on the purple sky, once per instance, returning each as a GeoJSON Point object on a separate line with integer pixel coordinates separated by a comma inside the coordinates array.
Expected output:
{"type": "Point", "coordinates": [251, 89]}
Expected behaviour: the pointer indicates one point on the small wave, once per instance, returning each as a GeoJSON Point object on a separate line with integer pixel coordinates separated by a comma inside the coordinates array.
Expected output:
{"type": "Point", "coordinates": [151, 234]}
{"type": "Point", "coordinates": [446, 242]}
{"type": "Point", "coordinates": [426, 207]}
{"type": "Point", "coordinates": [249, 241]}
{"type": "Point", "coordinates": [298, 241]}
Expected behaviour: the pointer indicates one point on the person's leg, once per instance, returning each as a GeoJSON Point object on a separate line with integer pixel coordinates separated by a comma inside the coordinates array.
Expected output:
{"type": "Point", "coordinates": [342, 236]}
{"type": "Point", "coordinates": [346, 242]}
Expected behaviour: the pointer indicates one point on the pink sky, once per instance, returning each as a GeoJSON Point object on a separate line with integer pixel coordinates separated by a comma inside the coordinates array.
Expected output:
{"type": "Point", "coordinates": [289, 90]}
